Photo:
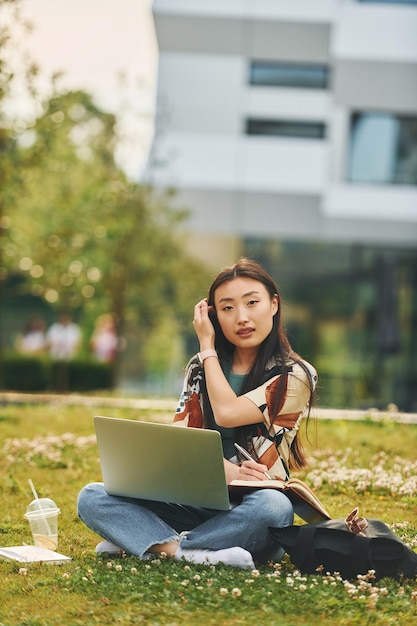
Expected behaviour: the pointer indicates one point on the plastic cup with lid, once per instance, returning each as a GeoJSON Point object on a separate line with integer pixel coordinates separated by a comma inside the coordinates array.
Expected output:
{"type": "Point", "coordinates": [42, 514]}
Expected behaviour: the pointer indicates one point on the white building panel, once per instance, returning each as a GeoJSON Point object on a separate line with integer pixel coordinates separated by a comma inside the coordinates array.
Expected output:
{"type": "Point", "coordinates": [364, 202]}
{"type": "Point", "coordinates": [208, 92]}
{"type": "Point", "coordinates": [286, 103]}
{"type": "Point", "coordinates": [246, 163]}
{"type": "Point", "coordinates": [376, 33]}
{"type": "Point", "coordinates": [198, 161]}
{"type": "Point", "coordinates": [283, 165]}
{"type": "Point", "coordinates": [291, 41]}
{"type": "Point", "coordinates": [302, 10]}
{"type": "Point", "coordinates": [376, 85]}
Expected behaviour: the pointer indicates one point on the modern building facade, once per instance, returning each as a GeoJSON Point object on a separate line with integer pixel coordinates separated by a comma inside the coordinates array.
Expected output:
{"type": "Point", "coordinates": [289, 129]}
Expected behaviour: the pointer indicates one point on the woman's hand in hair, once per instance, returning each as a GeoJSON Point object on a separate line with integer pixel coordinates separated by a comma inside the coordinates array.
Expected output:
{"type": "Point", "coordinates": [203, 326]}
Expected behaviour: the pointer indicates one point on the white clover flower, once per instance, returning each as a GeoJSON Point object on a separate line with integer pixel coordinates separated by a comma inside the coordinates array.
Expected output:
{"type": "Point", "coordinates": [398, 476]}
{"type": "Point", "coordinates": [236, 592]}
{"type": "Point", "coordinates": [133, 570]}
{"type": "Point", "coordinates": [223, 591]}
{"type": "Point", "coordinates": [23, 571]}
{"type": "Point", "coordinates": [118, 568]}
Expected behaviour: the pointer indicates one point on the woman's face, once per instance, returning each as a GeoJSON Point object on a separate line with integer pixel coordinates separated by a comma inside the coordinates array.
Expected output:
{"type": "Point", "coordinates": [245, 311]}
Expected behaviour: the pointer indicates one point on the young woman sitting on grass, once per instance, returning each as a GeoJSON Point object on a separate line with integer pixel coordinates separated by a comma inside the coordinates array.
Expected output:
{"type": "Point", "coordinates": [247, 383]}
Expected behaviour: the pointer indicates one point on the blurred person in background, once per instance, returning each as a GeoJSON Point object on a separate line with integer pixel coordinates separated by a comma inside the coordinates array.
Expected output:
{"type": "Point", "coordinates": [104, 342]}
{"type": "Point", "coordinates": [33, 338]}
{"type": "Point", "coordinates": [64, 338]}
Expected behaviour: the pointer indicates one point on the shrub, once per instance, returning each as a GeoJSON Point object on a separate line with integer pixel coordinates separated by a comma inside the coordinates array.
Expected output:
{"type": "Point", "coordinates": [25, 373]}
{"type": "Point", "coordinates": [32, 373]}
{"type": "Point", "coordinates": [81, 375]}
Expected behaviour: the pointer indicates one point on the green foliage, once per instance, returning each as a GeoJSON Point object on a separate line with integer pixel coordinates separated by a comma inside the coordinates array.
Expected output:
{"type": "Point", "coordinates": [30, 373]}
{"type": "Point", "coordinates": [14, 68]}
{"type": "Point", "coordinates": [55, 446]}
{"type": "Point", "coordinates": [85, 237]}
{"type": "Point", "coordinates": [81, 375]}
{"type": "Point", "coordinates": [103, 238]}
{"type": "Point", "coordinates": [74, 230]}
{"type": "Point", "coordinates": [26, 373]}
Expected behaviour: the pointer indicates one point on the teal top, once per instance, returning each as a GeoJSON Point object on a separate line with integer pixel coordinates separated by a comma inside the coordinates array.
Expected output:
{"type": "Point", "coordinates": [228, 434]}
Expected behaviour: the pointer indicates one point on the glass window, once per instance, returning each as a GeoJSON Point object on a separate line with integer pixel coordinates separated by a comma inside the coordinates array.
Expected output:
{"type": "Point", "coordinates": [271, 74]}
{"type": "Point", "coordinates": [350, 310]}
{"type": "Point", "coordinates": [285, 128]}
{"type": "Point", "coordinates": [383, 149]}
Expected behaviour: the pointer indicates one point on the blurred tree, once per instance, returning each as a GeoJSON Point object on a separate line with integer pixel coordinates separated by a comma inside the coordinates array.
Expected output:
{"type": "Point", "coordinates": [88, 238]}
{"type": "Point", "coordinates": [74, 230]}
{"type": "Point", "coordinates": [17, 72]}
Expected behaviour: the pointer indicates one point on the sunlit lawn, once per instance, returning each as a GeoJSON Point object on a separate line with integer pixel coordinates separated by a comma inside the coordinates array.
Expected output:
{"type": "Point", "coordinates": [372, 465]}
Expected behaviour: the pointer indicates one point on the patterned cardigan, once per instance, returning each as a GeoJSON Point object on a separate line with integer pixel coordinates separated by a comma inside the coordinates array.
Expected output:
{"type": "Point", "coordinates": [273, 436]}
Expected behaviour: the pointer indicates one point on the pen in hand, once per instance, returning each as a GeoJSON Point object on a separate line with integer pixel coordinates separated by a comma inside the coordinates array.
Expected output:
{"type": "Point", "coordinates": [247, 456]}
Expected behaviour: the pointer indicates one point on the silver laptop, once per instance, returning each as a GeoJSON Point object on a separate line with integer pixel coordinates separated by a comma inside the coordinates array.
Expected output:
{"type": "Point", "coordinates": [162, 462]}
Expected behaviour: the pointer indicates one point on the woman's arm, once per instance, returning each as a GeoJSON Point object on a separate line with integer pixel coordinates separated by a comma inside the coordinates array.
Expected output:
{"type": "Point", "coordinates": [229, 409]}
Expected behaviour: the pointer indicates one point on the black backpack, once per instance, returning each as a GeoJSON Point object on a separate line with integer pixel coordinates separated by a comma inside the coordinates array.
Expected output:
{"type": "Point", "coordinates": [331, 546]}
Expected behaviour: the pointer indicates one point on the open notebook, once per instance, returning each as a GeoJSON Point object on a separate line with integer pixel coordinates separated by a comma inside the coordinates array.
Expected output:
{"type": "Point", "coordinates": [32, 554]}
{"type": "Point", "coordinates": [170, 463]}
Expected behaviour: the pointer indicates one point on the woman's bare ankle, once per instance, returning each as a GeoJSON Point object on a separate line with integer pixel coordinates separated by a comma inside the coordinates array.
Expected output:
{"type": "Point", "coordinates": [168, 548]}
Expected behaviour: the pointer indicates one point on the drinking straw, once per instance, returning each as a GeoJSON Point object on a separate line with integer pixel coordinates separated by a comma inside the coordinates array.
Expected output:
{"type": "Point", "coordinates": [32, 486]}
{"type": "Point", "coordinates": [35, 495]}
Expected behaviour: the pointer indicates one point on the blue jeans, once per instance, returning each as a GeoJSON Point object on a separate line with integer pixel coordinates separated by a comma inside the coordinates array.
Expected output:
{"type": "Point", "coordinates": [136, 525]}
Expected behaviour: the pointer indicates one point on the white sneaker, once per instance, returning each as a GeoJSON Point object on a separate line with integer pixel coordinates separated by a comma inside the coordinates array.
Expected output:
{"type": "Point", "coordinates": [236, 557]}
{"type": "Point", "coordinates": [107, 547]}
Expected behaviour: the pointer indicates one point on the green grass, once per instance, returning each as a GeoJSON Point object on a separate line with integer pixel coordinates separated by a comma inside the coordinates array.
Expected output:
{"type": "Point", "coordinates": [92, 590]}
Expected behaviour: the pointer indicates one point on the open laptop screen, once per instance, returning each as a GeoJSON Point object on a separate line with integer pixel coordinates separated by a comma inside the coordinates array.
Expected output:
{"type": "Point", "coordinates": [162, 462]}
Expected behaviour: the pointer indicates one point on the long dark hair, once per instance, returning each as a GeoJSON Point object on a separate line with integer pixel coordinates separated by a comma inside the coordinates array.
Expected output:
{"type": "Point", "coordinates": [276, 345]}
